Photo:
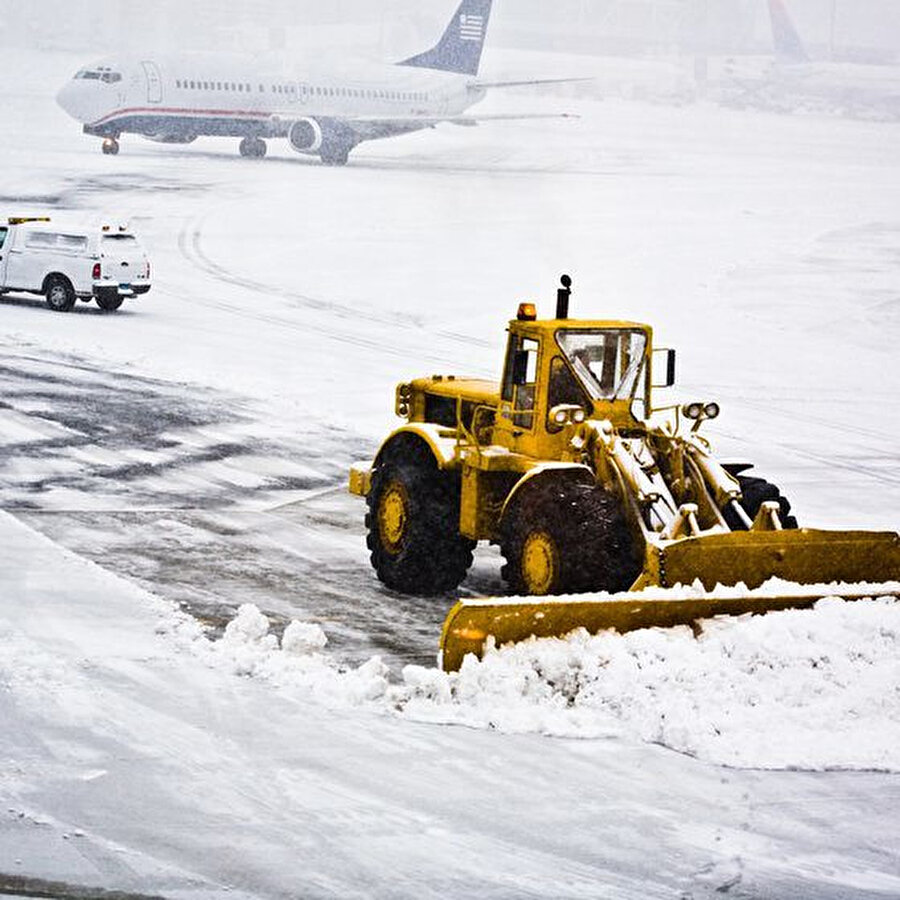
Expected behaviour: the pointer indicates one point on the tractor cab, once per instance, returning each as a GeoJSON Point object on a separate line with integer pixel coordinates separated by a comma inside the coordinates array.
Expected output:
{"type": "Point", "coordinates": [562, 371]}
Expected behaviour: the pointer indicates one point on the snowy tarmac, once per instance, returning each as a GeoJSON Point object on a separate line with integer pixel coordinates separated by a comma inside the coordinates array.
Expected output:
{"type": "Point", "coordinates": [191, 452]}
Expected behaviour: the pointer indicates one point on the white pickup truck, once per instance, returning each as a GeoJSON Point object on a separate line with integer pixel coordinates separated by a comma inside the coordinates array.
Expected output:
{"type": "Point", "coordinates": [64, 263]}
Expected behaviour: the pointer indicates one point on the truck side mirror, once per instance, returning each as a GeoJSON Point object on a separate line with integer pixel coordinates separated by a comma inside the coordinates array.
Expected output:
{"type": "Point", "coordinates": [667, 361]}
{"type": "Point", "coordinates": [520, 367]}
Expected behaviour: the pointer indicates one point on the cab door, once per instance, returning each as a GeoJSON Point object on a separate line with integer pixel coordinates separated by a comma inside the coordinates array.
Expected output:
{"type": "Point", "coordinates": [154, 81]}
{"type": "Point", "coordinates": [520, 403]}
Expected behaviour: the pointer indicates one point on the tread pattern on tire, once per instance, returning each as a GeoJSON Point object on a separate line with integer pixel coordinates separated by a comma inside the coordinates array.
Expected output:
{"type": "Point", "coordinates": [433, 558]}
{"type": "Point", "coordinates": [587, 524]}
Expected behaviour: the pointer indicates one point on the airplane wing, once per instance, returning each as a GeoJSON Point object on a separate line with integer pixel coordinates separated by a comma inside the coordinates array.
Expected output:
{"type": "Point", "coordinates": [532, 81]}
{"type": "Point", "coordinates": [371, 127]}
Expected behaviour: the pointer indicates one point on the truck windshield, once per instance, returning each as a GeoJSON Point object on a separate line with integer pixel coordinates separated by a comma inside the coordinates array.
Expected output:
{"type": "Point", "coordinates": [608, 363]}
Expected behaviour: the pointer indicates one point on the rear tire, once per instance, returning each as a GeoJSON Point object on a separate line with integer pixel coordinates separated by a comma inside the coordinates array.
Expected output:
{"type": "Point", "coordinates": [59, 293]}
{"type": "Point", "coordinates": [567, 538]}
{"type": "Point", "coordinates": [413, 523]}
{"type": "Point", "coordinates": [755, 491]}
{"type": "Point", "coordinates": [109, 304]}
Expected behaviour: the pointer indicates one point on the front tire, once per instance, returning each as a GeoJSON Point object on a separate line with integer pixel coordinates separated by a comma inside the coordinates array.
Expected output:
{"type": "Point", "coordinates": [413, 523]}
{"type": "Point", "coordinates": [110, 147]}
{"type": "Point", "coordinates": [59, 293]}
{"type": "Point", "coordinates": [567, 538]}
{"type": "Point", "coordinates": [754, 492]}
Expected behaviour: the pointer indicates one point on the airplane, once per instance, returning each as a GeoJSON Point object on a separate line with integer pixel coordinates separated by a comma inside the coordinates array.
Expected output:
{"type": "Point", "coordinates": [175, 99]}
{"type": "Point", "coordinates": [793, 79]}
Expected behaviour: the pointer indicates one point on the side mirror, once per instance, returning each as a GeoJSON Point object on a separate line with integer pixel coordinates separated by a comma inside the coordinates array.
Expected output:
{"type": "Point", "coordinates": [667, 362]}
{"type": "Point", "coordinates": [520, 367]}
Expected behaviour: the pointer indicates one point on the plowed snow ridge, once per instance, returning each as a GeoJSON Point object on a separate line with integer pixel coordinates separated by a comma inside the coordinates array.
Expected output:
{"type": "Point", "coordinates": [807, 689]}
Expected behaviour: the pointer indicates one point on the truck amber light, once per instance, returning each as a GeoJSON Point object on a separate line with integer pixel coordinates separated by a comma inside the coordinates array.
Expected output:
{"type": "Point", "coordinates": [96, 272]}
{"type": "Point", "coordinates": [527, 312]}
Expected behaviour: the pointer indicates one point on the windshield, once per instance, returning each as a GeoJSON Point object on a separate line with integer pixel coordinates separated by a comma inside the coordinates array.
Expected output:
{"type": "Point", "coordinates": [101, 74]}
{"type": "Point", "coordinates": [121, 238]}
{"type": "Point", "coordinates": [608, 363]}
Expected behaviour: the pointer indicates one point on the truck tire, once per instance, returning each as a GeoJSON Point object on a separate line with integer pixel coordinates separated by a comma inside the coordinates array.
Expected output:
{"type": "Point", "coordinates": [567, 538]}
{"type": "Point", "coordinates": [59, 293]}
{"type": "Point", "coordinates": [413, 523]}
{"type": "Point", "coordinates": [754, 492]}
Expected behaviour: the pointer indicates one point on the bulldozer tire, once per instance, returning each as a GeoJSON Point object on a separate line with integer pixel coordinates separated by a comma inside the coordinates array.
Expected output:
{"type": "Point", "coordinates": [755, 491]}
{"type": "Point", "coordinates": [568, 538]}
{"type": "Point", "coordinates": [413, 523]}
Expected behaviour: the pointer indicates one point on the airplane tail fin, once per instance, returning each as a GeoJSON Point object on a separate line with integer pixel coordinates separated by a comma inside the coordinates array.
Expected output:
{"type": "Point", "coordinates": [788, 46]}
{"type": "Point", "coordinates": [459, 50]}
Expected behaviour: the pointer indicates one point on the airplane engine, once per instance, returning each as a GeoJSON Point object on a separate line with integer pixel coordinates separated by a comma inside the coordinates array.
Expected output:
{"type": "Point", "coordinates": [306, 136]}
{"type": "Point", "coordinates": [165, 137]}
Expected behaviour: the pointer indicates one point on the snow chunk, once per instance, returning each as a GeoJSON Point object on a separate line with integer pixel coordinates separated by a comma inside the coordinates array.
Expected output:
{"type": "Point", "coordinates": [302, 638]}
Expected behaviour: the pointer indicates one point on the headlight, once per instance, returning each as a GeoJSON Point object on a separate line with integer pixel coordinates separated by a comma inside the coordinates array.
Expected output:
{"type": "Point", "coordinates": [578, 416]}
{"type": "Point", "coordinates": [711, 410]}
{"type": "Point", "coordinates": [692, 410]}
{"type": "Point", "coordinates": [560, 417]}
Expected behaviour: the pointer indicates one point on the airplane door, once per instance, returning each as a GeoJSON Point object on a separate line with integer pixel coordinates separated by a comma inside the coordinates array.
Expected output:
{"type": "Point", "coordinates": [154, 82]}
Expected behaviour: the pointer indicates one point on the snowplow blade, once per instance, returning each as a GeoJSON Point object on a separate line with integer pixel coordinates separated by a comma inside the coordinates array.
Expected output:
{"type": "Point", "coordinates": [726, 574]}
{"type": "Point", "coordinates": [802, 556]}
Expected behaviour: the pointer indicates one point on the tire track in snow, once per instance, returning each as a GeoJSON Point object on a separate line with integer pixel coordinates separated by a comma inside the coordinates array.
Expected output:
{"type": "Point", "coordinates": [189, 243]}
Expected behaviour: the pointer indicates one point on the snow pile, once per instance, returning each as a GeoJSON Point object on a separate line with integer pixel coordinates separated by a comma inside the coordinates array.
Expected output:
{"type": "Point", "coordinates": [810, 689]}
{"type": "Point", "coordinates": [795, 689]}
{"type": "Point", "coordinates": [249, 648]}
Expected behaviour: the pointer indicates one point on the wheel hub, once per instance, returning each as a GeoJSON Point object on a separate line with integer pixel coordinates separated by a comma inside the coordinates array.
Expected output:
{"type": "Point", "coordinates": [540, 563]}
{"type": "Point", "coordinates": [393, 516]}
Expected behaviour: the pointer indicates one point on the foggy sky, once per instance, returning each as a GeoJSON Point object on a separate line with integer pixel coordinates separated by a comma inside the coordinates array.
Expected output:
{"type": "Point", "coordinates": [389, 28]}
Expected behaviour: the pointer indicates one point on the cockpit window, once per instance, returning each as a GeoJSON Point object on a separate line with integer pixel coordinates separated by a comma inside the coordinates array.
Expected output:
{"type": "Point", "coordinates": [120, 238]}
{"type": "Point", "coordinates": [608, 363]}
{"type": "Point", "coordinates": [105, 75]}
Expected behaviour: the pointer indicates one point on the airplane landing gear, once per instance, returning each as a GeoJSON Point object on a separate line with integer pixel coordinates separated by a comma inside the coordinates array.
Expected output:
{"type": "Point", "coordinates": [252, 148]}
{"type": "Point", "coordinates": [335, 154]}
{"type": "Point", "coordinates": [110, 147]}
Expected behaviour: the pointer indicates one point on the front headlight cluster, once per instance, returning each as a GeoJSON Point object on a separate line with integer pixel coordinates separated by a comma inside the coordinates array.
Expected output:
{"type": "Point", "coordinates": [567, 413]}
{"type": "Point", "coordinates": [402, 400]}
{"type": "Point", "coordinates": [698, 411]}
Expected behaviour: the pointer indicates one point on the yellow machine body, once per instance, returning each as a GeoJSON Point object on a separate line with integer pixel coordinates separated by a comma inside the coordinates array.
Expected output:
{"type": "Point", "coordinates": [570, 432]}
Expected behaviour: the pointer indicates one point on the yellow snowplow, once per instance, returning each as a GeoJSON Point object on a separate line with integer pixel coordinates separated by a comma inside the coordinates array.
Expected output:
{"type": "Point", "coordinates": [589, 488]}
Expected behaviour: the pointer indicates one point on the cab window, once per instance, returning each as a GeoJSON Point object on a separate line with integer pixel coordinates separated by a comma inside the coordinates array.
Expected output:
{"type": "Point", "coordinates": [608, 363]}
{"type": "Point", "coordinates": [564, 387]}
{"type": "Point", "coordinates": [2, 237]}
{"type": "Point", "coordinates": [520, 379]}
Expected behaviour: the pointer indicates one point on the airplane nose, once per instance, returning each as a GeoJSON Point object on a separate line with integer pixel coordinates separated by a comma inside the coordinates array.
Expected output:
{"type": "Point", "coordinates": [64, 98]}
{"type": "Point", "coordinates": [68, 98]}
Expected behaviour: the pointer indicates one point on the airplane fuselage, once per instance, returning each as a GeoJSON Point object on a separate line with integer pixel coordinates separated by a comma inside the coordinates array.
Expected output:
{"type": "Point", "coordinates": [176, 99]}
